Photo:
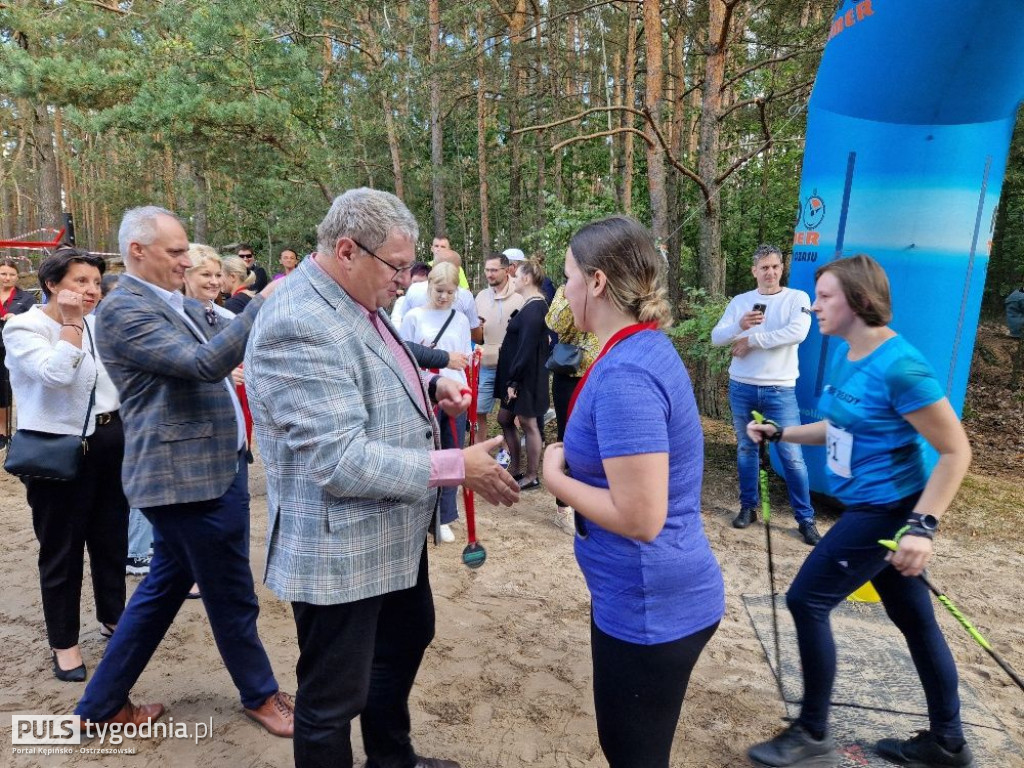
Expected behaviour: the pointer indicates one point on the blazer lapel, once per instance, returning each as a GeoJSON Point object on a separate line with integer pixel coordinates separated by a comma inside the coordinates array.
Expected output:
{"type": "Point", "coordinates": [379, 347]}
{"type": "Point", "coordinates": [355, 316]}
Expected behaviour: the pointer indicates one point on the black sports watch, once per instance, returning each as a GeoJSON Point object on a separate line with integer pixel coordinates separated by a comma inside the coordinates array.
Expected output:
{"type": "Point", "coordinates": [922, 524]}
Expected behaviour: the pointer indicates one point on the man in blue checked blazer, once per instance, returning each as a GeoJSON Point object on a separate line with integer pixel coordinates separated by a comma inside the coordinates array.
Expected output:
{"type": "Point", "coordinates": [184, 467]}
{"type": "Point", "coordinates": [350, 444]}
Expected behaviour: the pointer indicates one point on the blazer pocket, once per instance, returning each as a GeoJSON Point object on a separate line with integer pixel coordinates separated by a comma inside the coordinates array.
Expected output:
{"type": "Point", "coordinates": [351, 511]}
{"type": "Point", "coordinates": [191, 430]}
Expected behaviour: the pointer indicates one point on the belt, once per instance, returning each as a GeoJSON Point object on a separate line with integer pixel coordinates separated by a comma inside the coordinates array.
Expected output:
{"type": "Point", "coordinates": [103, 419]}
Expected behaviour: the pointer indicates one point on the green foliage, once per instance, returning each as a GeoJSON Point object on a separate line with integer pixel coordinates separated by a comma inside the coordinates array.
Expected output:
{"type": "Point", "coordinates": [699, 314]}
{"type": "Point", "coordinates": [560, 225]}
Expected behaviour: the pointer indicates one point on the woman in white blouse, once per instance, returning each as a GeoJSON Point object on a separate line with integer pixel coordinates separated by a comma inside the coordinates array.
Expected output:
{"type": "Point", "coordinates": [51, 354]}
{"type": "Point", "coordinates": [439, 325]}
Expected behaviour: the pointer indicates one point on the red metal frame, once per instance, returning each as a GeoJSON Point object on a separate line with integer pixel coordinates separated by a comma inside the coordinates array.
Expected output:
{"type": "Point", "coordinates": [34, 243]}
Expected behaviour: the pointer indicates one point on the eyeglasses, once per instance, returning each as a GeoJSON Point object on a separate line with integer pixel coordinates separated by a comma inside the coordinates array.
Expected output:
{"type": "Point", "coordinates": [398, 270]}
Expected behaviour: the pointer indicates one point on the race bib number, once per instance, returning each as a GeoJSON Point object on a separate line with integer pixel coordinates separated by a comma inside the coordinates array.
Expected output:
{"type": "Point", "coordinates": [839, 445]}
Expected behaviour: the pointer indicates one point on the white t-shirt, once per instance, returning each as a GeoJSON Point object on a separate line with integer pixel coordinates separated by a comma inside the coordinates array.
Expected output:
{"type": "Point", "coordinates": [422, 325]}
{"type": "Point", "coordinates": [772, 360]}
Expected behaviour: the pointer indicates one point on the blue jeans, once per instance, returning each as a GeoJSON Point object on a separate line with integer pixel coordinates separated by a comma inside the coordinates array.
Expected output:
{"type": "Point", "coordinates": [449, 496]}
{"type": "Point", "coordinates": [779, 405]}
{"type": "Point", "coordinates": [847, 556]}
{"type": "Point", "coordinates": [140, 534]}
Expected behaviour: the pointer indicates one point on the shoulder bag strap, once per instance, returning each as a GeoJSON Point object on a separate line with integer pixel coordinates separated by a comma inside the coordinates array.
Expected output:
{"type": "Point", "coordinates": [92, 395]}
{"type": "Point", "coordinates": [443, 329]}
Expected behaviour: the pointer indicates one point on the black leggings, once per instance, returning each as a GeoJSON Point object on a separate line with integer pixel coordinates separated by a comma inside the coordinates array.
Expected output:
{"type": "Point", "coordinates": [638, 695]}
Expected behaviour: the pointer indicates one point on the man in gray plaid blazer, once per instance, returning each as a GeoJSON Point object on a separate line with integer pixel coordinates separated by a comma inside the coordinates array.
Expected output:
{"type": "Point", "coordinates": [351, 449]}
{"type": "Point", "coordinates": [184, 467]}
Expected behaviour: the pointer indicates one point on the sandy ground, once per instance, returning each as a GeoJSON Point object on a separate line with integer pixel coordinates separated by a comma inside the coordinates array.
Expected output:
{"type": "Point", "coordinates": [506, 682]}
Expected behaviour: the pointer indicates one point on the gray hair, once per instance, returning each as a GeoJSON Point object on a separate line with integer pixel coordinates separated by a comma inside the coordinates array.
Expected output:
{"type": "Point", "coordinates": [766, 249]}
{"type": "Point", "coordinates": [367, 215]}
{"type": "Point", "coordinates": [139, 226]}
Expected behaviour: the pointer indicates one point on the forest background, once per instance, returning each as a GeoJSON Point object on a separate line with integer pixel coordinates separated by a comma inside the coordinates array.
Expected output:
{"type": "Point", "coordinates": [500, 122]}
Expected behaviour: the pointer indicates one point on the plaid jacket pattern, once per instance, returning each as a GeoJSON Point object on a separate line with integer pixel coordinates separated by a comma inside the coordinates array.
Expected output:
{"type": "Point", "coordinates": [181, 435]}
{"type": "Point", "coordinates": [346, 443]}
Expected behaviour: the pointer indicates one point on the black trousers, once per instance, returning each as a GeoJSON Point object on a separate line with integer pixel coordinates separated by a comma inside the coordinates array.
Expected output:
{"type": "Point", "coordinates": [360, 659]}
{"type": "Point", "coordinates": [638, 695]}
{"type": "Point", "coordinates": [562, 388]}
{"type": "Point", "coordinates": [89, 511]}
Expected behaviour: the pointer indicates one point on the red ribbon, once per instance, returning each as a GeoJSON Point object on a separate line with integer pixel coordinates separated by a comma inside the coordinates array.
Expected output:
{"type": "Point", "coordinates": [623, 333]}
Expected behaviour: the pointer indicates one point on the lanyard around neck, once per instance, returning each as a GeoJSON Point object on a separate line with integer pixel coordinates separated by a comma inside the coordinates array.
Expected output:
{"type": "Point", "coordinates": [623, 333]}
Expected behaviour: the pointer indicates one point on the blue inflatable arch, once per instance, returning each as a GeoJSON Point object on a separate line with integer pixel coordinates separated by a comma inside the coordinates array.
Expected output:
{"type": "Point", "coordinates": [908, 132]}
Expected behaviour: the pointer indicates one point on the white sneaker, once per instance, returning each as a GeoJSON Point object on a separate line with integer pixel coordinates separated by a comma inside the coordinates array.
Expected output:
{"type": "Point", "coordinates": [503, 458]}
{"type": "Point", "coordinates": [563, 520]}
{"type": "Point", "coordinates": [447, 535]}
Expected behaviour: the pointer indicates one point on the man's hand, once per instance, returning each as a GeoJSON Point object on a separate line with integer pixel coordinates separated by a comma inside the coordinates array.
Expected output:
{"type": "Point", "coordinates": [457, 361]}
{"type": "Point", "coordinates": [452, 398]}
{"type": "Point", "coordinates": [485, 476]}
{"type": "Point", "coordinates": [238, 376]}
{"type": "Point", "coordinates": [741, 347]}
{"type": "Point", "coordinates": [750, 319]}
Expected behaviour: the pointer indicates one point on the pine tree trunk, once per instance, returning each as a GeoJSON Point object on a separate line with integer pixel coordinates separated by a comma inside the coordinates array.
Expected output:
{"type": "Point", "coordinates": [653, 102]}
{"type": "Point", "coordinates": [712, 268]}
{"type": "Point", "coordinates": [481, 136]}
{"type": "Point", "coordinates": [48, 188]}
{"type": "Point", "coordinates": [436, 135]}
{"type": "Point", "coordinates": [629, 101]}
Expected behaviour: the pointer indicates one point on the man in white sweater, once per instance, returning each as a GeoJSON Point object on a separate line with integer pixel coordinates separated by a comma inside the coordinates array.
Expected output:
{"type": "Point", "coordinates": [764, 328]}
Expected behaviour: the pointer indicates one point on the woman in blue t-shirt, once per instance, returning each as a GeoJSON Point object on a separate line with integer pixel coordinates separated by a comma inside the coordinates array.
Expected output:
{"type": "Point", "coordinates": [881, 396]}
{"type": "Point", "coordinates": [635, 446]}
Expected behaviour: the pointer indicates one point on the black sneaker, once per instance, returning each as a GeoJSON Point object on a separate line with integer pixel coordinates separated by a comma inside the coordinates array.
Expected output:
{"type": "Point", "coordinates": [923, 751]}
{"type": "Point", "coordinates": [794, 746]}
{"type": "Point", "coordinates": [810, 533]}
{"type": "Point", "coordinates": [137, 566]}
{"type": "Point", "coordinates": [746, 516]}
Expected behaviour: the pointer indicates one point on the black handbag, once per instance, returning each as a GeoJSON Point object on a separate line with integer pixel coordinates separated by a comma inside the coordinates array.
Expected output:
{"type": "Point", "coordinates": [565, 359]}
{"type": "Point", "coordinates": [46, 456]}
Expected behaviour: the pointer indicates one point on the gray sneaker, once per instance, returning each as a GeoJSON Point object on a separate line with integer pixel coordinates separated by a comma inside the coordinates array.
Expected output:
{"type": "Point", "coordinates": [794, 747]}
{"type": "Point", "coordinates": [923, 751]}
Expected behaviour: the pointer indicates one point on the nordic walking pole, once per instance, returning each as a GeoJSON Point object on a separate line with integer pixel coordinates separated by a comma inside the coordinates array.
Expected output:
{"type": "Point", "coordinates": [978, 638]}
{"type": "Point", "coordinates": [766, 515]}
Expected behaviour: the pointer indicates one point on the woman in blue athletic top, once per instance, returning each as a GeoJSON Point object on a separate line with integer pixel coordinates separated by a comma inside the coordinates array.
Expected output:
{"type": "Point", "coordinates": [881, 397]}
{"type": "Point", "coordinates": [635, 447]}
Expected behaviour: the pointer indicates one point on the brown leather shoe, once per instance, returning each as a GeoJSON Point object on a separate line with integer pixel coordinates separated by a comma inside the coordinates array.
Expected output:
{"type": "Point", "coordinates": [131, 713]}
{"type": "Point", "coordinates": [435, 762]}
{"type": "Point", "coordinates": [276, 714]}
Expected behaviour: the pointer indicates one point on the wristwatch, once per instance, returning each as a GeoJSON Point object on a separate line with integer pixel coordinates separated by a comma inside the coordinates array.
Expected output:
{"type": "Point", "coordinates": [922, 524]}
